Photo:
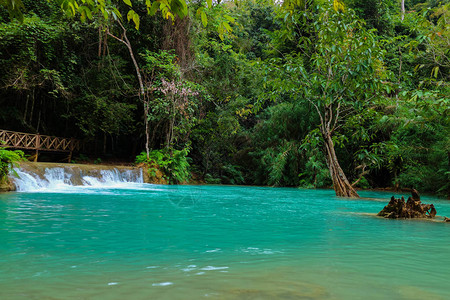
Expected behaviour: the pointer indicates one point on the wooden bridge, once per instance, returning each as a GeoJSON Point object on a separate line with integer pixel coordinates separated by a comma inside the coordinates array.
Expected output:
{"type": "Point", "coordinates": [37, 142]}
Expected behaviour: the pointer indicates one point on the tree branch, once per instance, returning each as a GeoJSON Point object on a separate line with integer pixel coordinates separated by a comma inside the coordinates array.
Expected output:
{"type": "Point", "coordinates": [337, 117]}
{"type": "Point", "coordinates": [322, 123]}
{"type": "Point", "coordinates": [130, 50]}
{"type": "Point", "coordinates": [363, 172]}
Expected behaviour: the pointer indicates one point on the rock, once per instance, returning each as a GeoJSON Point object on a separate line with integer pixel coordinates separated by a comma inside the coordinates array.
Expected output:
{"type": "Point", "coordinates": [432, 213]}
{"type": "Point", "coordinates": [6, 185]}
{"type": "Point", "coordinates": [412, 208]}
{"type": "Point", "coordinates": [152, 174]}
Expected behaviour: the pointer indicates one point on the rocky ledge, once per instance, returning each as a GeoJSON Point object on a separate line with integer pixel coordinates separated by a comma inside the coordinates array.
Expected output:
{"type": "Point", "coordinates": [412, 208]}
{"type": "Point", "coordinates": [6, 185]}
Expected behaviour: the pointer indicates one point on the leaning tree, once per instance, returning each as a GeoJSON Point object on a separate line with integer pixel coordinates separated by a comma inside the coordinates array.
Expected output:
{"type": "Point", "coordinates": [336, 68]}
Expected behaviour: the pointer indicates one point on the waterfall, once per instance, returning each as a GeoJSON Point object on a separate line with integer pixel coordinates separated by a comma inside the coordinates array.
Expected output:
{"type": "Point", "coordinates": [59, 177]}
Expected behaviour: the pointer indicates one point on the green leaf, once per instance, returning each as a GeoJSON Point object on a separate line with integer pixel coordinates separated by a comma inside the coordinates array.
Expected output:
{"type": "Point", "coordinates": [72, 8]}
{"type": "Point", "coordinates": [204, 18]}
{"type": "Point", "coordinates": [105, 13]}
{"type": "Point", "coordinates": [155, 7]}
{"type": "Point", "coordinates": [231, 19]}
{"type": "Point", "coordinates": [435, 71]}
{"type": "Point", "coordinates": [88, 12]}
{"type": "Point", "coordinates": [227, 26]}
{"type": "Point", "coordinates": [128, 2]}
{"type": "Point", "coordinates": [117, 14]}
{"type": "Point", "coordinates": [209, 2]}
{"type": "Point", "coordinates": [221, 31]}
{"type": "Point", "coordinates": [130, 15]}
{"type": "Point", "coordinates": [136, 20]}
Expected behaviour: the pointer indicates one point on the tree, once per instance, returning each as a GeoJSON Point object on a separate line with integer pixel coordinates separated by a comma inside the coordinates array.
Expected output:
{"type": "Point", "coordinates": [8, 159]}
{"type": "Point", "coordinates": [337, 73]}
{"type": "Point", "coordinates": [107, 11]}
{"type": "Point", "coordinates": [106, 8]}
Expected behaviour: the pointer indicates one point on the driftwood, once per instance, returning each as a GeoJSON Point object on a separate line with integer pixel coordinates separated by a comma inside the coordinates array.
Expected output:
{"type": "Point", "coordinates": [412, 208]}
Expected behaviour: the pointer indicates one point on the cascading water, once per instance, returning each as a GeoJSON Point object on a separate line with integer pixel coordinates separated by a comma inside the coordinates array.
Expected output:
{"type": "Point", "coordinates": [110, 177]}
{"type": "Point", "coordinates": [58, 177]}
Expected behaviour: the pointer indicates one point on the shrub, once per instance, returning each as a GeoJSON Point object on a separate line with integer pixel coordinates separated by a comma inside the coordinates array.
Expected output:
{"type": "Point", "coordinates": [173, 163]}
{"type": "Point", "coordinates": [8, 159]}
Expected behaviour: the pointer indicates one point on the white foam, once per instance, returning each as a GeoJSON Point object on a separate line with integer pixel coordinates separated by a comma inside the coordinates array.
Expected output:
{"type": "Point", "coordinates": [60, 180]}
{"type": "Point", "coordinates": [26, 181]}
{"type": "Point", "coordinates": [162, 284]}
{"type": "Point", "coordinates": [257, 251]}
{"type": "Point", "coordinates": [189, 268]}
{"type": "Point", "coordinates": [211, 268]}
{"type": "Point", "coordinates": [212, 251]}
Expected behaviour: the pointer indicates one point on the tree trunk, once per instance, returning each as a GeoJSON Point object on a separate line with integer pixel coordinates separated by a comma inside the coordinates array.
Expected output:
{"type": "Point", "coordinates": [403, 9]}
{"type": "Point", "coordinates": [147, 129]}
{"type": "Point", "coordinates": [142, 97]}
{"type": "Point", "coordinates": [26, 109]}
{"type": "Point", "coordinates": [104, 142]}
{"type": "Point", "coordinates": [32, 107]}
{"type": "Point", "coordinates": [341, 185]}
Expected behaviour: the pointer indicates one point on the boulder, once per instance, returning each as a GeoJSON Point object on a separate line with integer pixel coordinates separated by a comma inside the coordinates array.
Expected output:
{"type": "Point", "coordinates": [6, 185]}
{"type": "Point", "coordinates": [412, 208]}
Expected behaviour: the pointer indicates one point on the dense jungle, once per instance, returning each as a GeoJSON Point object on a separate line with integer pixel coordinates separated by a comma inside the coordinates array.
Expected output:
{"type": "Point", "coordinates": [348, 94]}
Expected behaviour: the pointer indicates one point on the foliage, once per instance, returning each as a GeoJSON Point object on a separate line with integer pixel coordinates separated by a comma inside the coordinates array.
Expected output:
{"type": "Point", "coordinates": [277, 140]}
{"type": "Point", "coordinates": [9, 159]}
{"type": "Point", "coordinates": [422, 144]}
{"type": "Point", "coordinates": [340, 73]}
{"type": "Point", "coordinates": [315, 173]}
{"type": "Point", "coordinates": [173, 101]}
{"type": "Point", "coordinates": [249, 87]}
{"type": "Point", "coordinates": [173, 163]}
{"type": "Point", "coordinates": [105, 8]}
{"type": "Point", "coordinates": [377, 14]}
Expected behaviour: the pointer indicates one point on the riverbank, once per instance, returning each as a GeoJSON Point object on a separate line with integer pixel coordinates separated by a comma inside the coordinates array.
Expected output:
{"type": "Point", "coordinates": [6, 185]}
{"type": "Point", "coordinates": [155, 176]}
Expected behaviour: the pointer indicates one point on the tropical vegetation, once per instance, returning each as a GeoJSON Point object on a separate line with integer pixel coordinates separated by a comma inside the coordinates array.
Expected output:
{"type": "Point", "coordinates": [305, 93]}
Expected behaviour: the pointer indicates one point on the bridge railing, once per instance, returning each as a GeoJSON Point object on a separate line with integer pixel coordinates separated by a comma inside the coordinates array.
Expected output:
{"type": "Point", "coordinates": [28, 141]}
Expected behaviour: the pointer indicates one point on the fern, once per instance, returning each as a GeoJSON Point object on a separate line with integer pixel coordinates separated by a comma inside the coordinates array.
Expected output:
{"type": "Point", "coordinates": [173, 163]}
{"type": "Point", "coordinates": [9, 159]}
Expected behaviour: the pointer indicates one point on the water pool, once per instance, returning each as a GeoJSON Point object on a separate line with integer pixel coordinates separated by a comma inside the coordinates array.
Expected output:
{"type": "Point", "coordinates": [144, 241]}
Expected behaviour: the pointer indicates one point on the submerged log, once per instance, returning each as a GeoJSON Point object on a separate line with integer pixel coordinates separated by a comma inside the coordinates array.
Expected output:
{"type": "Point", "coordinates": [412, 208]}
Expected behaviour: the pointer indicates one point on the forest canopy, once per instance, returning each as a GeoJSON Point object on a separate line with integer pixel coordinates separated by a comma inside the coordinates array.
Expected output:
{"type": "Point", "coordinates": [302, 93]}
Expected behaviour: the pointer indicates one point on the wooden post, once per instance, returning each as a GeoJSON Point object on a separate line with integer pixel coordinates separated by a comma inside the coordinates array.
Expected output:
{"type": "Point", "coordinates": [38, 143]}
{"type": "Point", "coordinates": [71, 147]}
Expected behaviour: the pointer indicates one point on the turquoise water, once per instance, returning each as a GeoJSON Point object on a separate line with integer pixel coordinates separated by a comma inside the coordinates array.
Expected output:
{"type": "Point", "coordinates": [216, 242]}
